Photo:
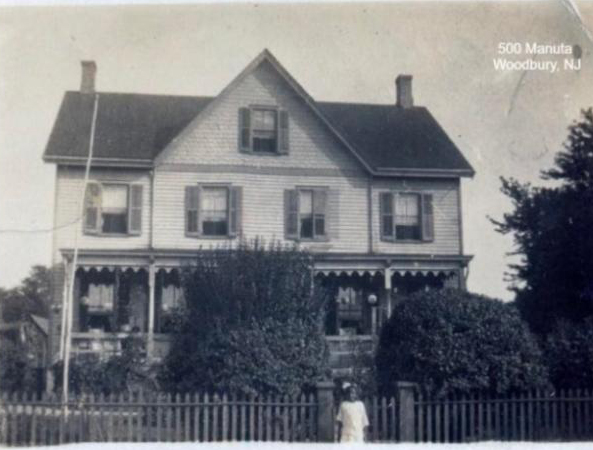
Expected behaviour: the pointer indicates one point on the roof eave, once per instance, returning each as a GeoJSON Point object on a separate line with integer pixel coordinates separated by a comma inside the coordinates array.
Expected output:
{"type": "Point", "coordinates": [415, 172]}
{"type": "Point", "coordinates": [100, 162]}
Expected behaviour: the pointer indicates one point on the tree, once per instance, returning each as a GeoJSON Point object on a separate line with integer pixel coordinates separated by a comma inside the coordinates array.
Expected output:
{"type": "Point", "coordinates": [553, 233]}
{"type": "Point", "coordinates": [452, 342]}
{"type": "Point", "coordinates": [568, 351]}
{"type": "Point", "coordinates": [32, 296]}
{"type": "Point", "coordinates": [253, 323]}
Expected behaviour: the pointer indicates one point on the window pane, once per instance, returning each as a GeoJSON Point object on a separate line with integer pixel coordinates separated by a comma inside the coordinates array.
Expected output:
{"type": "Point", "coordinates": [306, 202]}
{"type": "Point", "coordinates": [407, 210]}
{"type": "Point", "coordinates": [214, 211]}
{"type": "Point", "coordinates": [115, 223]}
{"type": "Point", "coordinates": [115, 197]}
{"type": "Point", "coordinates": [307, 226]}
{"type": "Point", "coordinates": [264, 119]}
{"type": "Point", "coordinates": [407, 232]}
{"type": "Point", "coordinates": [263, 143]}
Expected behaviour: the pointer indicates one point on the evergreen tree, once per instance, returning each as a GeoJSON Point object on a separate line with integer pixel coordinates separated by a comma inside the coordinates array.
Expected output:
{"type": "Point", "coordinates": [553, 233]}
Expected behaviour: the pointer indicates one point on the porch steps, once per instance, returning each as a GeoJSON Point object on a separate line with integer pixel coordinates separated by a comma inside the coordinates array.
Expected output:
{"type": "Point", "coordinates": [349, 352]}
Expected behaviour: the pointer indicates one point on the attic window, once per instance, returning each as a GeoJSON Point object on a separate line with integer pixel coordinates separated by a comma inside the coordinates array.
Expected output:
{"type": "Point", "coordinates": [264, 130]}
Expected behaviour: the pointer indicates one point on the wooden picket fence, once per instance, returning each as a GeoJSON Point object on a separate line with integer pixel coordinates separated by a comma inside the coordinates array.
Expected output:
{"type": "Point", "coordinates": [26, 420]}
{"type": "Point", "coordinates": [409, 416]}
{"type": "Point", "coordinates": [565, 415]}
{"type": "Point", "coordinates": [383, 420]}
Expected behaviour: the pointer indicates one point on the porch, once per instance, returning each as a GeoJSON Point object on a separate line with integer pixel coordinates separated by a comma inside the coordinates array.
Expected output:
{"type": "Point", "coordinates": [141, 296]}
{"type": "Point", "coordinates": [111, 304]}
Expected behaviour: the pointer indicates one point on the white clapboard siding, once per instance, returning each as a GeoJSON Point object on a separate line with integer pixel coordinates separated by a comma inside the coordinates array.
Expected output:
{"type": "Point", "coordinates": [69, 185]}
{"type": "Point", "coordinates": [263, 208]}
{"type": "Point", "coordinates": [445, 210]}
{"type": "Point", "coordinates": [213, 138]}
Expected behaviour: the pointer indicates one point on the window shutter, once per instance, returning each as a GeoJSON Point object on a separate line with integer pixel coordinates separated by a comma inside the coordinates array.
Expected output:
{"type": "Point", "coordinates": [92, 208]}
{"type": "Point", "coordinates": [192, 210]}
{"type": "Point", "coordinates": [427, 218]}
{"type": "Point", "coordinates": [283, 132]}
{"type": "Point", "coordinates": [135, 209]}
{"type": "Point", "coordinates": [320, 208]}
{"type": "Point", "coordinates": [332, 217]}
{"type": "Point", "coordinates": [291, 214]}
{"type": "Point", "coordinates": [244, 130]}
{"type": "Point", "coordinates": [386, 213]}
{"type": "Point", "coordinates": [235, 210]}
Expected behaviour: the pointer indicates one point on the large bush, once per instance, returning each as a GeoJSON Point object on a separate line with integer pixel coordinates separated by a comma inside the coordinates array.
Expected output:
{"type": "Point", "coordinates": [252, 325]}
{"type": "Point", "coordinates": [451, 341]}
{"type": "Point", "coordinates": [568, 352]}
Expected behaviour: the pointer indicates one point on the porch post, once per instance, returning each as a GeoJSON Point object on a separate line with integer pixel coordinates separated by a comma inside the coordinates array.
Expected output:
{"type": "Point", "coordinates": [387, 277]}
{"type": "Point", "coordinates": [63, 310]}
{"type": "Point", "coordinates": [462, 281]}
{"type": "Point", "coordinates": [151, 297]}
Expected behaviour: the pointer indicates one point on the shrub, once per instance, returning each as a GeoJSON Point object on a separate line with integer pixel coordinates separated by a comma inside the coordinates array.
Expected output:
{"type": "Point", "coordinates": [92, 373]}
{"type": "Point", "coordinates": [452, 341]}
{"type": "Point", "coordinates": [253, 323]}
{"type": "Point", "coordinates": [568, 352]}
{"type": "Point", "coordinates": [16, 370]}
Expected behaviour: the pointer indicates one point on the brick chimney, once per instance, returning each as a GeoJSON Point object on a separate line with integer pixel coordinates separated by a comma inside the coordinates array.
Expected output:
{"type": "Point", "coordinates": [87, 81]}
{"type": "Point", "coordinates": [403, 87]}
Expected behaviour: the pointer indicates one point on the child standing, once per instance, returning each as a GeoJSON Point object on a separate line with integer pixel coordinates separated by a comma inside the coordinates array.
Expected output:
{"type": "Point", "coordinates": [352, 417]}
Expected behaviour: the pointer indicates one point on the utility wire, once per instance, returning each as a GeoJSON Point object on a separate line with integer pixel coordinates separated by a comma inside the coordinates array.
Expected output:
{"type": "Point", "coordinates": [39, 230]}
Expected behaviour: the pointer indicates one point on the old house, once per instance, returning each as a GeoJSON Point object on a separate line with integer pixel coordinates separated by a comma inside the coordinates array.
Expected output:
{"type": "Point", "coordinates": [373, 191]}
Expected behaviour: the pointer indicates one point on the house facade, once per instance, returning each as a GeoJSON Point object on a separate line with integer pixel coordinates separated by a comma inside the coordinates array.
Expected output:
{"type": "Point", "coordinates": [373, 191]}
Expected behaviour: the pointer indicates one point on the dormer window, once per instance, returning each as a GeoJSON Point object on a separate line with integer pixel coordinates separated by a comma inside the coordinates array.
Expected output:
{"type": "Point", "coordinates": [263, 130]}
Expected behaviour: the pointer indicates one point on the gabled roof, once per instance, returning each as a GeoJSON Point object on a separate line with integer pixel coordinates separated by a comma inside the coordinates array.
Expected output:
{"type": "Point", "coordinates": [41, 322]}
{"type": "Point", "coordinates": [133, 129]}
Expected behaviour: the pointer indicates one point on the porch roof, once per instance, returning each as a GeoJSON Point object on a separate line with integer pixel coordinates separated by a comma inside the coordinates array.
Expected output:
{"type": "Point", "coordinates": [349, 263]}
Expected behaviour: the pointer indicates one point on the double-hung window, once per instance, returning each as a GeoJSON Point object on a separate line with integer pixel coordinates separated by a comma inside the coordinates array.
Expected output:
{"type": "Point", "coordinates": [406, 216]}
{"type": "Point", "coordinates": [213, 210]}
{"type": "Point", "coordinates": [113, 209]}
{"type": "Point", "coordinates": [306, 214]}
{"type": "Point", "coordinates": [263, 130]}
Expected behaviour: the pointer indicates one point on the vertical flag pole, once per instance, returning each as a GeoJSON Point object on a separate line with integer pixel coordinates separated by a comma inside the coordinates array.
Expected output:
{"type": "Point", "coordinates": [70, 296]}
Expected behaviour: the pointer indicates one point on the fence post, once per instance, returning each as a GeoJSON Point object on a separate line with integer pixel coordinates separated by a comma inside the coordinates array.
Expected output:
{"type": "Point", "coordinates": [405, 402]}
{"type": "Point", "coordinates": [325, 411]}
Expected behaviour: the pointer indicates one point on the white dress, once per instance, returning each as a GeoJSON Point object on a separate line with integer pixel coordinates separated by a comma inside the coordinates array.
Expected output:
{"type": "Point", "coordinates": [354, 419]}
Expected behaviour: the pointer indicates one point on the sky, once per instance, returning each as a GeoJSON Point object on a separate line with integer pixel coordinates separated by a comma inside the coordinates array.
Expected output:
{"type": "Point", "coordinates": [506, 122]}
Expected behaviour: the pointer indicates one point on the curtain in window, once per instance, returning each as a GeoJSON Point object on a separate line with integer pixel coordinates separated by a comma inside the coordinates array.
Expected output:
{"type": "Point", "coordinates": [100, 297]}
{"type": "Point", "coordinates": [407, 210]}
{"type": "Point", "coordinates": [172, 297]}
{"type": "Point", "coordinates": [214, 204]}
{"type": "Point", "coordinates": [263, 120]}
